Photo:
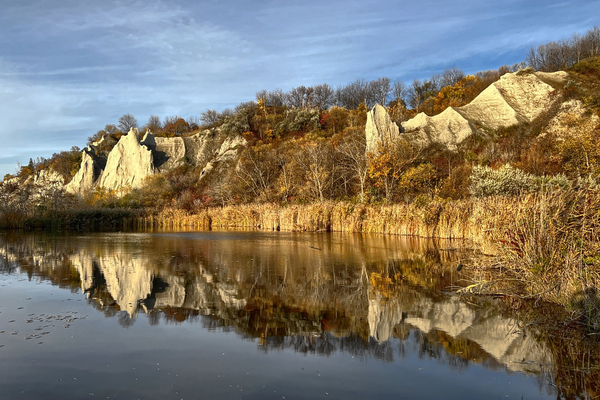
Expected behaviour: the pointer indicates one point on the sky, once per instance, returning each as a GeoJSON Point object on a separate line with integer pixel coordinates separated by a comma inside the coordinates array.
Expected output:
{"type": "Point", "coordinates": [69, 67]}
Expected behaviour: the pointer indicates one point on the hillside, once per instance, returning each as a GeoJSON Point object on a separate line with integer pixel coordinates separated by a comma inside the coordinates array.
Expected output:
{"type": "Point", "coordinates": [536, 123]}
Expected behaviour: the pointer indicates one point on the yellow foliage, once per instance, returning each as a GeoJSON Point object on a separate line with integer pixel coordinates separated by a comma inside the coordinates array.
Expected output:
{"type": "Point", "coordinates": [459, 94]}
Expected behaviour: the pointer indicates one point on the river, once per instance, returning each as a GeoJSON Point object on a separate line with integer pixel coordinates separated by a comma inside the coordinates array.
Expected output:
{"type": "Point", "coordinates": [257, 315]}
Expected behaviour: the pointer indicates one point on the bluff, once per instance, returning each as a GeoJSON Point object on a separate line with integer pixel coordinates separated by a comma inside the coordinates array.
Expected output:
{"type": "Point", "coordinates": [133, 159]}
{"type": "Point", "coordinates": [516, 98]}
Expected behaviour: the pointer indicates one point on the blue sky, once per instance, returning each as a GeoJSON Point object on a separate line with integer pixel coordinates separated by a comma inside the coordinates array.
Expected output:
{"type": "Point", "coordinates": [67, 67]}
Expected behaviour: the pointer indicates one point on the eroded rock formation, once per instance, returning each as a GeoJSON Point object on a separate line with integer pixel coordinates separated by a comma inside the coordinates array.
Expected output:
{"type": "Point", "coordinates": [128, 164]}
{"type": "Point", "coordinates": [380, 128]}
{"type": "Point", "coordinates": [516, 98]}
{"type": "Point", "coordinates": [133, 159]}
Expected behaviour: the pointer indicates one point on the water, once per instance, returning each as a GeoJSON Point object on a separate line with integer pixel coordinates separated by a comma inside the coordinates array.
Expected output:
{"type": "Point", "coordinates": [251, 315]}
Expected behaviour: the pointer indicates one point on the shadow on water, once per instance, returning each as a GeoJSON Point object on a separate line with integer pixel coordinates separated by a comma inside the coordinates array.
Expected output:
{"type": "Point", "coordinates": [367, 296]}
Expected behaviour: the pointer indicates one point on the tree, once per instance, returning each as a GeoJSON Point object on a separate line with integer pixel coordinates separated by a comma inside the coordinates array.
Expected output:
{"type": "Point", "coordinates": [176, 128]}
{"type": "Point", "coordinates": [127, 122]}
{"type": "Point", "coordinates": [451, 76]}
{"type": "Point", "coordinates": [378, 92]}
{"type": "Point", "coordinates": [420, 91]}
{"type": "Point", "coordinates": [257, 170]}
{"type": "Point", "coordinates": [399, 91]}
{"type": "Point", "coordinates": [352, 95]}
{"type": "Point", "coordinates": [210, 118]}
{"type": "Point", "coordinates": [389, 163]}
{"type": "Point", "coordinates": [459, 94]}
{"type": "Point", "coordinates": [315, 160]}
{"type": "Point", "coordinates": [323, 96]}
{"type": "Point", "coordinates": [300, 97]}
{"type": "Point", "coordinates": [154, 124]}
{"type": "Point", "coordinates": [354, 159]}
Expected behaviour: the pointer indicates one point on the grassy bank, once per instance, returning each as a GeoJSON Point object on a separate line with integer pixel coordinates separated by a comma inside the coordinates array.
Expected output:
{"type": "Point", "coordinates": [545, 245]}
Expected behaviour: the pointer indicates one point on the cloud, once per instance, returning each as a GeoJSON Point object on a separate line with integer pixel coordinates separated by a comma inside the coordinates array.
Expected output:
{"type": "Point", "coordinates": [68, 67]}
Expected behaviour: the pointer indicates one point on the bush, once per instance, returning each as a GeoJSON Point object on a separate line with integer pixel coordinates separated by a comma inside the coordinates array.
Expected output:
{"type": "Point", "coordinates": [509, 181]}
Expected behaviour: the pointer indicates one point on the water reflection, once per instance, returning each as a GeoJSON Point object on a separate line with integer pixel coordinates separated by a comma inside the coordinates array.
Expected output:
{"type": "Point", "coordinates": [314, 293]}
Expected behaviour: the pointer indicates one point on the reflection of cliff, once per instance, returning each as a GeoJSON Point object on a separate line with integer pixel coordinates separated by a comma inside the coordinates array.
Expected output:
{"type": "Point", "coordinates": [462, 325]}
{"type": "Point", "coordinates": [313, 293]}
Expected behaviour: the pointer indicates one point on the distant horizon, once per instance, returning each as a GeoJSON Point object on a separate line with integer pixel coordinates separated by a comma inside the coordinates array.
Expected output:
{"type": "Point", "coordinates": [67, 69]}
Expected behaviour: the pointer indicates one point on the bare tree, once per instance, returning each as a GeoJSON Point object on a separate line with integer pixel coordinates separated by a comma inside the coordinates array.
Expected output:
{"type": "Point", "coordinates": [126, 122]}
{"type": "Point", "coordinates": [354, 160]}
{"type": "Point", "coordinates": [451, 76]}
{"type": "Point", "coordinates": [257, 170]}
{"type": "Point", "coordinates": [315, 160]}
{"type": "Point", "coordinates": [154, 124]}
{"type": "Point", "coordinates": [378, 92]}
{"type": "Point", "coordinates": [210, 117]}
{"type": "Point", "coordinates": [300, 97]}
{"type": "Point", "coordinates": [193, 122]}
{"type": "Point", "coordinates": [323, 96]}
{"type": "Point", "coordinates": [399, 91]}
{"type": "Point", "coordinates": [274, 98]}
{"type": "Point", "coordinates": [352, 95]}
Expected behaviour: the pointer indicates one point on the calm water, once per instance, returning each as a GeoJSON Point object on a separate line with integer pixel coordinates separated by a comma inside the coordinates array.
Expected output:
{"type": "Point", "coordinates": [249, 315]}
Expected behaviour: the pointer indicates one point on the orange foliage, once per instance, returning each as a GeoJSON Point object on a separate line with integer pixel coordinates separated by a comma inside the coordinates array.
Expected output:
{"type": "Point", "coordinates": [459, 94]}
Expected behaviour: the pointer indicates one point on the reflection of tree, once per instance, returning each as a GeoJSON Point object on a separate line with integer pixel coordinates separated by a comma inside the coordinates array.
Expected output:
{"type": "Point", "coordinates": [360, 296]}
{"type": "Point", "coordinates": [125, 320]}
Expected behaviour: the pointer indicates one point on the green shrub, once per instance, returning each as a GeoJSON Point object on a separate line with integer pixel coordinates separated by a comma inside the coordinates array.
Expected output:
{"type": "Point", "coordinates": [509, 181]}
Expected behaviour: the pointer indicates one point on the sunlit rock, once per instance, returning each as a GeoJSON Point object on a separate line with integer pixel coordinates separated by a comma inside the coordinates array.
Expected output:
{"type": "Point", "coordinates": [226, 154]}
{"type": "Point", "coordinates": [516, 98]}
{"type": "Point", "coordinates": [88, 173]}
{"type": "Point", "coordinates": [128, 164]}
{"type": "Point", "coordinates": [380, 129]}
{"type": "Point", "coordinates": [571, 119]}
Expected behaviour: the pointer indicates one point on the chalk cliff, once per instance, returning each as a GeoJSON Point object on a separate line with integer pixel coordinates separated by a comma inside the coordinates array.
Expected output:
{"type": "Point", "coordinates": [380, 128]}
{"type": "Point", "coordinates": [516, 98]}
{"type": "Point", "coordinates": [133, 159]}
{"type": "Point", "coordinates": [128, 164]}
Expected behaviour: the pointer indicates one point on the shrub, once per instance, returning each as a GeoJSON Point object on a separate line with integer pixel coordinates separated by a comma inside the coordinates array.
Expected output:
{"type": "Point", "coordinates": [507, 180]}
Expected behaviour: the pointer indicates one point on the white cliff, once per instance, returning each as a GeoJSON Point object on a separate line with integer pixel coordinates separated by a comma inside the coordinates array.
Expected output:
{"type": "Point", "coordinates": [380, 129]}
{"type": "Point", "coordinates": [128, 164]}
{"type": "Point", "coordinates": [89, 171]}
{"type": "Point", "coordinates": [516, 98]}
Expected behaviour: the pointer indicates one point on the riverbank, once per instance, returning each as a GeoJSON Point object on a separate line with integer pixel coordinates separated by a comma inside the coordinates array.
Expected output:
{"type": "Point", "coordinates": [543, 246]}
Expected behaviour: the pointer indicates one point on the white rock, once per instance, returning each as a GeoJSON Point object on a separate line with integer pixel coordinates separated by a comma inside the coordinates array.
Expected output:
{"type": "Point", "coordinates": [380, 129]}
{"type": "Point", "coordinates": [89, 171]}
{"type": "Point", "coordinates": [516, 98]}
{"type": "Point", "coordinates": [128, 164]}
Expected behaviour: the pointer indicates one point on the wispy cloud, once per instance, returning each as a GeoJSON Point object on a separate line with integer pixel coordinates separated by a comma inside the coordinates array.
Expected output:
{"type": "Point", "coordinates": [68, 67]}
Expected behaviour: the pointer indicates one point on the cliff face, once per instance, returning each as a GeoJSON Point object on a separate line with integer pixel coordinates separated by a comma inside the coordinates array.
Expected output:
{"type": "Point", "coordinates": [133, 159]}
{"type": "Point", "coordinates": [516, 98]}
{"type": "Point", "coordinates": [380, 128]}
{"type": "Point", "coordinates": [128, 164]}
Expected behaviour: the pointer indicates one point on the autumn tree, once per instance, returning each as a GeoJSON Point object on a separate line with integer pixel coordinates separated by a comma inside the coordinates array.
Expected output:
{"type": "Point", "coordinates": [459, 94]}
{"type": "Point", "coordinates": [178, 127]}
{"type": "Point", "coordinates": [387, 165]}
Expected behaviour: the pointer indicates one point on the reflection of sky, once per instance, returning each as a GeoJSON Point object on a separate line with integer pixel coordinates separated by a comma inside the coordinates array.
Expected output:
{"type": "Point", "coordinates": [67, 68]}
{"type": "Point", "coordinates": [96, 358]}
